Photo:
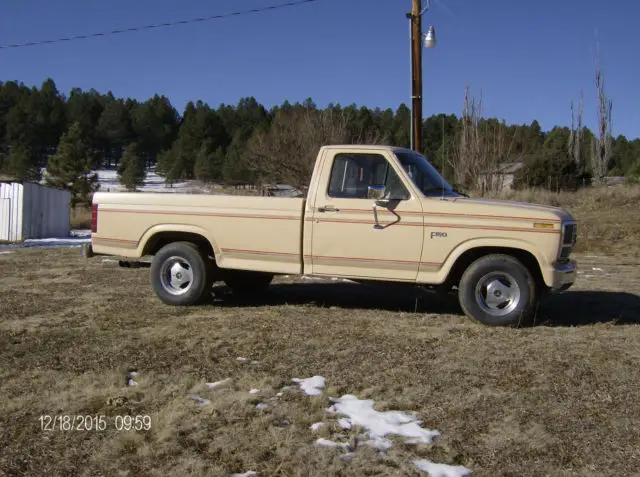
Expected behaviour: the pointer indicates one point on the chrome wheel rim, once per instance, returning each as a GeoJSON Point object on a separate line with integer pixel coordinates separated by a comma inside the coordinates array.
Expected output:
{"type": "Point", "coordinates": [176, 276]}
{"type": "Point", "coordinates": [497, 293]}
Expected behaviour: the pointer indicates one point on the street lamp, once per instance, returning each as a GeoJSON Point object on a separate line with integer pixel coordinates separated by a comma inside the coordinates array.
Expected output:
{"type": "Point", "coordinates": [417, 40]}
{"type": "Point", "coordinates": [430, 38]}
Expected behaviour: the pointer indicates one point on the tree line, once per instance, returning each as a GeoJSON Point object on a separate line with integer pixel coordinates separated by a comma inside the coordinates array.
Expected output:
{"type": "Point", "coordinates": [69, 137]}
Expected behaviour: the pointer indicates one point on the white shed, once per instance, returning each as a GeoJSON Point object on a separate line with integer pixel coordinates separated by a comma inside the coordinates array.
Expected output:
{"type": "Point", "coordinates": [32, 211]}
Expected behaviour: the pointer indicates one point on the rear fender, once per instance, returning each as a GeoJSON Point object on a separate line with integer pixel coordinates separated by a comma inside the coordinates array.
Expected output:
{"type": "Point", "coordinates": [152, 232]}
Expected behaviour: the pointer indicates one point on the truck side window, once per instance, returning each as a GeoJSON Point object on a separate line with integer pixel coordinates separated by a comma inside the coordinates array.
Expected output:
{"type": "Point", "coordinates": [352, 174]}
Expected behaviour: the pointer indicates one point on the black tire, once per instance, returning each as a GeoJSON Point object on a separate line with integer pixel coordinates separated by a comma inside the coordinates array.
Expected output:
{"type": "Point", "coordinates": [512, 296]}
{"type": "Point", "coordinates": [246, 282]}
{"type": "Point", "coordinates": [189, 283]}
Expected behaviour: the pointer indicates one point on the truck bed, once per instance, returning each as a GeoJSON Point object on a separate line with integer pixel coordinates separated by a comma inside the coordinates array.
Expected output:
{"type": "Point", "coordinates": [247, 233]}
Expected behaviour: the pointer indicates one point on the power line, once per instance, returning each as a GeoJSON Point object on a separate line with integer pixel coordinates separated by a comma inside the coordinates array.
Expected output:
{"type": "Point", "coordinates": [157, 25]}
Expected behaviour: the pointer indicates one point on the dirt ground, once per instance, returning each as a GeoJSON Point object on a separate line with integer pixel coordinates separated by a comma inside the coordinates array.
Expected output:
{"type": "Point", "coordinates": [558, 399]}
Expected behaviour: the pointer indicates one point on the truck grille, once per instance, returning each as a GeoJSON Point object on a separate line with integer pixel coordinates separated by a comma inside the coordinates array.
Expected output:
{"type": "Point", "coordinates": [570, 234]}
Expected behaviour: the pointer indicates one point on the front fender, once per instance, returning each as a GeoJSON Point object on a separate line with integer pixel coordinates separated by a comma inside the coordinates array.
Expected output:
{"type": "Point", "coordinates": [485, 242]}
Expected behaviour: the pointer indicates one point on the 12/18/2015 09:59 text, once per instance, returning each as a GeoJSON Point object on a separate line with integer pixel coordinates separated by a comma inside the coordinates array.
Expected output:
{"type": "Point", "coordinates": [94, 422]}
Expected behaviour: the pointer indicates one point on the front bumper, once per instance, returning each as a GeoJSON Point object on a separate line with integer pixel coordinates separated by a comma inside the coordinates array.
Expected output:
{"type": "Point", "coordinates": [564, 276]}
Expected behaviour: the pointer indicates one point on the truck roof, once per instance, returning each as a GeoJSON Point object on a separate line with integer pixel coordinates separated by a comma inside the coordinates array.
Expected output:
{"type": "Point", "coordinates": [367, 147]}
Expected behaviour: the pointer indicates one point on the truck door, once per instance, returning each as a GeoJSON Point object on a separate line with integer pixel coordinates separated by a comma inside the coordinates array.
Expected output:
{"type": "Point", "coordinates": [346, 241]}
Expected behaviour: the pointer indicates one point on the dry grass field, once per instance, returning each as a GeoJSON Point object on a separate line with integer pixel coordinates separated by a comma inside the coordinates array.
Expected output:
{"type": "Point", "coordinates": [557, 399]}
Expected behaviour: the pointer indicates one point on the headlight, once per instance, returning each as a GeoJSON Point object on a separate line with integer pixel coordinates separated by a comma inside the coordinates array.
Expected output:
{"type": "Point", "coordinates": [569, 234]}
{"type": "Point", "coordinates": [569, 237]}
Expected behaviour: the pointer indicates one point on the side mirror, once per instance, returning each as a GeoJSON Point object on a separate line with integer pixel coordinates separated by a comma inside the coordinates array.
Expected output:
{"type": "Point", "coordinates": [376, 192]}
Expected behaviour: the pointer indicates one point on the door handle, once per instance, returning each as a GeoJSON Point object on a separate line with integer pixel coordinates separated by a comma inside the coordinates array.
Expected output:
{"type": "Point", "coordinates": [327, 208]}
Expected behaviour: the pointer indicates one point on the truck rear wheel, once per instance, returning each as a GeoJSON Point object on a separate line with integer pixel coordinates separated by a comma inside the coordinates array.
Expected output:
{"type": "Point", "coordinates": [245, 282]}
{"type": "Point", "coordinates": [180, 274]}
{"type": "Point", "coordinates": [498, 290]}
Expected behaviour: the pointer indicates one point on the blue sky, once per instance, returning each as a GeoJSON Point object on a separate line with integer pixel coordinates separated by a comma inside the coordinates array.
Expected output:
{"type": "Point", "coordinates": [529, 58]}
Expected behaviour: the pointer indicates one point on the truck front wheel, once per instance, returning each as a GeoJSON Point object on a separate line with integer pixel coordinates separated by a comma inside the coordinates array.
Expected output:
{"type": "Point", "coordinates": [498, 290]}
{"type": "Point", "coordinates": [246, 282]}
{"type": "Point", "coordinates": [180, 274]}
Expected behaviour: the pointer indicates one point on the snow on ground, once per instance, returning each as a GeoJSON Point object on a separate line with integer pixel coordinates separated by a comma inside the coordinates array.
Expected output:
{"type": "Point", "coordinates": [108, 179]}
{"type": "Point", "coordinates": [5, 253]}
{"type": "Point", "coordinates": [200, 401]}
{"type": "Point", "coordinates": [360, 412]}
{"type": "Point", "coordinates": [250, 473]}
{"type": "Point", "coordinates": [311, 386]}
{"type": "Point", "coordinates": [76, 239]}
{"type": "Point", "coordinates": [328, 443]}
{"type": "Point", "coordinates": [441, 470]}
{"type": "Point", "coordinates": [218, 384]}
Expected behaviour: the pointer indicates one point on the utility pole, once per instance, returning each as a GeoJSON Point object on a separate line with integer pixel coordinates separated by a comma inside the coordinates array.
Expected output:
{"type": "Point", "coordinates": [415, 17]}
{"type": "Point", "coordinates": [416, 75]}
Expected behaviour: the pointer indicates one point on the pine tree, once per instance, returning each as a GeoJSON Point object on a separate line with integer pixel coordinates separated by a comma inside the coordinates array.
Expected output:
{"type": "Point", "coordinates": [209, 162]}
{"type": "Point", "coordinates": [71, 167]}
{"type": "Point", "coordinates": [131, 171]}
{"type": "Point", "coordinates": [23, 164]}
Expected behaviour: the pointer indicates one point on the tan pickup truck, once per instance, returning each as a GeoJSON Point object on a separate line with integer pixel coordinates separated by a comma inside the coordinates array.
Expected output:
{"type": "Point", "coordinates": [372, 213]}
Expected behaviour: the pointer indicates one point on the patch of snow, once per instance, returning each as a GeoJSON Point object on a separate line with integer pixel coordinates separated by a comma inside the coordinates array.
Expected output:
{"type": "Point", "coordinates": [254, 391]}
{"type": "Point", "coordinates": [311, 386]}
{"type": "Point", "coordinates": [130, 376]}
{"type": "Point", "coordinates": [217, 384]}
{"type": "Point", "coordinates": [327, 443]}
{"type": "Point", "coordinates": [595, 269]}
{"type": "Point", "coordinates": [108, 179]}
{"type": "Point", "coordinates": [5, 253]}
{"type": "Point", "coordinates": [199, 401]}
{"type": "Point", "coordinates": [380, 424]}
{"type": "Point", "coordinates": [344, 423]}
{"type": "Point", "coordinates": [255, 362]}
{"type": "Point", "coordinates": [279, 394]}
{"type": "Point", "coordinates": [250, 473]}
{"type": "Point", "coordinates": [379, 443]}
{"type": "Point", "coordinates": [50, 242]}
{"type": "Point", "coordinates": [441, 470]}
{"type": "Point", "coordinates": [307, 277]}
{"type": "Point", "coordinates": [261, 406]}
{"type": "Point", "coordinates": [317, 426]}
{"type": "Point", "coordinates": [81, 233]}
{"type": "Point", "coordinates": [348, 456]}
{"type": "Point", "coordinates": [109, 260]}
{"type": "Point", "coordinates": [240, 358]}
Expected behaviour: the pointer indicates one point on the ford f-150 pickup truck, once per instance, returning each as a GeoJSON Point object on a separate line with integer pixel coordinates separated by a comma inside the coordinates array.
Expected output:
{"type": "Point", "coordinates": [372, 213]}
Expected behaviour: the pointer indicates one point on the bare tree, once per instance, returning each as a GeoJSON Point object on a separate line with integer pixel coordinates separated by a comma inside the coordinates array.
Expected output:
{"type": "Point", "coordinates": [603, 142]}
{"type": "Point", "coordinates": [482, 146]}
{"type": "Point", "coordinates": [575, 140]}
{"type": "Point", "coordinates": [287, 152]}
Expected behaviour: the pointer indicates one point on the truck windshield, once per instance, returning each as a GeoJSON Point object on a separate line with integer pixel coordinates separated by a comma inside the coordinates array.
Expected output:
{"type": "Point", "coordinates": [424, 175]}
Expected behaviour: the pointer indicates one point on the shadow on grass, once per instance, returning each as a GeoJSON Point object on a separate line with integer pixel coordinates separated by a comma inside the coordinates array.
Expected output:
{"type": "Point", "coordinates": [588, 307]}
{"type": "Point", "coordinates": [344, 295]}
{"type": "Point", "coordinates": [573, 308]}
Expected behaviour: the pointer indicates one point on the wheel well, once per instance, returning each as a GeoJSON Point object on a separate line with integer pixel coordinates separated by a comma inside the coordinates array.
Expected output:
{"type": "Point", "coordinates": [468, 257]}
{"type": "Point", "coordinates": [159, 240]}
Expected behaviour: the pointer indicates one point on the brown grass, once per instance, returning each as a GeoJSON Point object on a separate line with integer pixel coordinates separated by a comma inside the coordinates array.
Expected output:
{"type": "Point", "coordinates": [554, 400]}
{"type": "Point", "coordinates": [81, 217]}
{"type": "Point", "coordinates": [608, 217]}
